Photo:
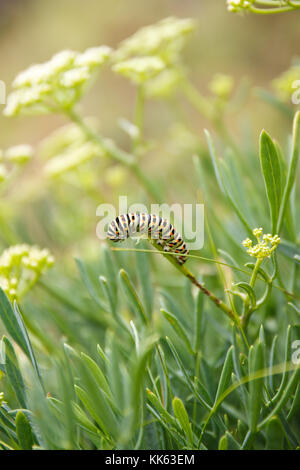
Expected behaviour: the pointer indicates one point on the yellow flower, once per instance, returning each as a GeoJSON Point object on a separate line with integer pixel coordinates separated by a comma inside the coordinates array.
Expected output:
{"type": "Point", "coordinates": [21, 266]}
{"type": "Point", "coordinates": [140, 69]}
{"type": "Point", "coordinates": [266, 244]}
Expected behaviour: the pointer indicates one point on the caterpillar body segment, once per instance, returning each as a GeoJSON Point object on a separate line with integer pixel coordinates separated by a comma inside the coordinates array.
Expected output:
{"type": "Point", "coordinates": [154, 227]}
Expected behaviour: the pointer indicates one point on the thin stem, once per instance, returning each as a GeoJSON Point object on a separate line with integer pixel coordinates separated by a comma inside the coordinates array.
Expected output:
{"type": "Point", "coordinates": [255, 272]}
{"type": "Point", "coordinates": [139, 117]}
{"type": "Point", "coordinates": [206, 109]}
{"type": "Point", "coordinates": [119, 155]}
{"type": "Point", "coordinates": [270, 11]}
{"type": "Point", "coordinates": [218, 302]}
{"type": "Point", "coordinates": [248, 311]}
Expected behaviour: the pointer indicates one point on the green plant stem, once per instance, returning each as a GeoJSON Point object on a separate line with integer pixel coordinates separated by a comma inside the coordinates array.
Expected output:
{"type": "Point", "coordinates": [218, 302]}
{"type": "Point", "coordinates": [205, 108]}
{"type": "Point", "coordinates": [139, 117]}
{"type": "Point", "coordinates": [117, 154]}
{"type": "Point", "coordinates": [245, 318]}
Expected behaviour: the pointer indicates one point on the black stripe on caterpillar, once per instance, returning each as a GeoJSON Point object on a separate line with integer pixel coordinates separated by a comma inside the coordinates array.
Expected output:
{"type": "Point", "coordinates": [154, 227]}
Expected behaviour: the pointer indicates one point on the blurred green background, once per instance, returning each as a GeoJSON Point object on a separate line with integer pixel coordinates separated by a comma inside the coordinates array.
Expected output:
{"type": "Point", "coordinates": [259, 48]}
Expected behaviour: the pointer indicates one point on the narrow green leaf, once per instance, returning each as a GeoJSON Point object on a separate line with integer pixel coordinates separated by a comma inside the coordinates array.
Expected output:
{"type": "Point", "coordinates": [295, 407]}
{"type": "Point", "coordinates": [225, 374]}
{"type": "Point", "coordinates": [24, 431]}
{"type": "Point", "coordinates": [89, 285]}
{"type": "Point", "coordinates": [274, 434]}
{"type": "Point", "coordinates": [111, 272]}
{"type": "Point", "coordinates": [271, 170]}
{"type": "Point", "coordinates": [292, 171]}
{"type": "Point", "coordinates": [198, 321]}
{"type": "Point", "coordinates": [12, 370]}
{"type": "Point", "coordinates": [29, 347]}
{"type": "Point", "coordinates": [250, 291]}
{"type": "Point", "coordinates": [183, 418]}
{"type": "Point", "coordinates": [96, 372]}
{"type": "Point", "coordinates": [143, 268]}
{"type": "Point", "coordinates": [132, 295]}
{"type": "Point", "coordinates": [11, 322]}
{"type": "Point", "coordinates": [164, 413]}
{"type": "Point", "coordinates": [286, 395]}
{"type": "Point", "coordinates": [178, 328]}
{"type": "Point", "coordinates": [256, 363]}
{"type": "Point", "coordinates": [223, 444]}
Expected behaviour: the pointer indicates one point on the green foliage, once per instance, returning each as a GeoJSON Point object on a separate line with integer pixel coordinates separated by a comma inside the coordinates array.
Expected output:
{"type": "Point", "coordinates": [127, 352]}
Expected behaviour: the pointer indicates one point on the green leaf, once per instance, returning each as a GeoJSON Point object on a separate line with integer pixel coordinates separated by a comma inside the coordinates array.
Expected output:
{"type": "Point", "coordinates": [202, 399]}
{"type": "Point", "coordinates": [111, 272]}
{"type": "Point", "coordinates": [256, 363]}
{"type": "Point", "coordinates": [292, 171]}
{"type": "Point", "coordinates": [274, 434]}
{"type": "Point", "coordinates": [164, 413]}
{"type": "Point", "coordinates": [96, 372]}
{"type": "Point", "coordinates": [295, 407]}
{"type": "Point", "coordinates": [178, 328]}
{"type": "Point", "coordinates": [143, 269]}
{"type": "Point", "coordinates": [24, 431]}
{"type": "Point", "coordinates": [183, 418]}
{"type": "Point", "coordinates": [132, 296]}
{"type": "Point", "coordinates": [225, 374]}
{"type": "Point", "coordinates": [12, 371]}
{"type": "Point", "coordinates": [198, 321]}
{"type": "Point", "coordinates": [223, 444]}
{"type": "Point", "coordinates": [250, 291]}
{"type": "Point", "coordinates": [286, 395]}
{"type": "Point", "coordinates": [89, 285]}
{"type": "Point", "coordinates": [271, 170]}
{"type": "Point", "coordinates": [12, 322]}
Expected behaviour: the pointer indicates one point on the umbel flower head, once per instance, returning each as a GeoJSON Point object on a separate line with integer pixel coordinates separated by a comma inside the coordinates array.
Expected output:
{"type": "Point", "coordinates": [19, 154]}
{"type": "Point", "coordinates": [68, 149]}
{"type": "Point", "coordinates": [164, 39]}
{"type": "Point", "coordinates": [21, 267]}
{"type": "Point", "coordinates": [140, 69]}
{"type": "Point", "coordinates": [55, 84]}
{"type": "Point", "coordinates": [12, 157]}
{"type": "Point", "coordinates": [265, 245]}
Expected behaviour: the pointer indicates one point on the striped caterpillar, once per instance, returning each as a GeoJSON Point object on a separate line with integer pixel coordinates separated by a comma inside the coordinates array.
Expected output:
{"type": "Point", "coordinates": [156, 228]}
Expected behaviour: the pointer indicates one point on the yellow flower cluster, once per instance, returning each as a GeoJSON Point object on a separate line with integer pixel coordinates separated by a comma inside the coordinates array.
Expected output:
{"type": "Point", "coordinates": [67, 149]}
{"type": "Point", "coordinates": [287, 83]}
{"type": "Point", "coordinates": [164, 39]}
{"type": "Point", "coordinates": [16, 155]}
{"type": "Point", "coordinates": [21, 266]}
{"type": "Point", "coordinates": [265, 246]}
{"type": "Point", "coordinates": [55, 84]}
{"type": "Point", "coordinates": [140, 69]}
{"type": "Point", "coordinates": [153, 50]}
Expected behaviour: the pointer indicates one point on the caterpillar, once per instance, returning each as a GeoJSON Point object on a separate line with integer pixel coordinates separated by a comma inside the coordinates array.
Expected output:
{"type": "Point", "coordinates": [156, 228]}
